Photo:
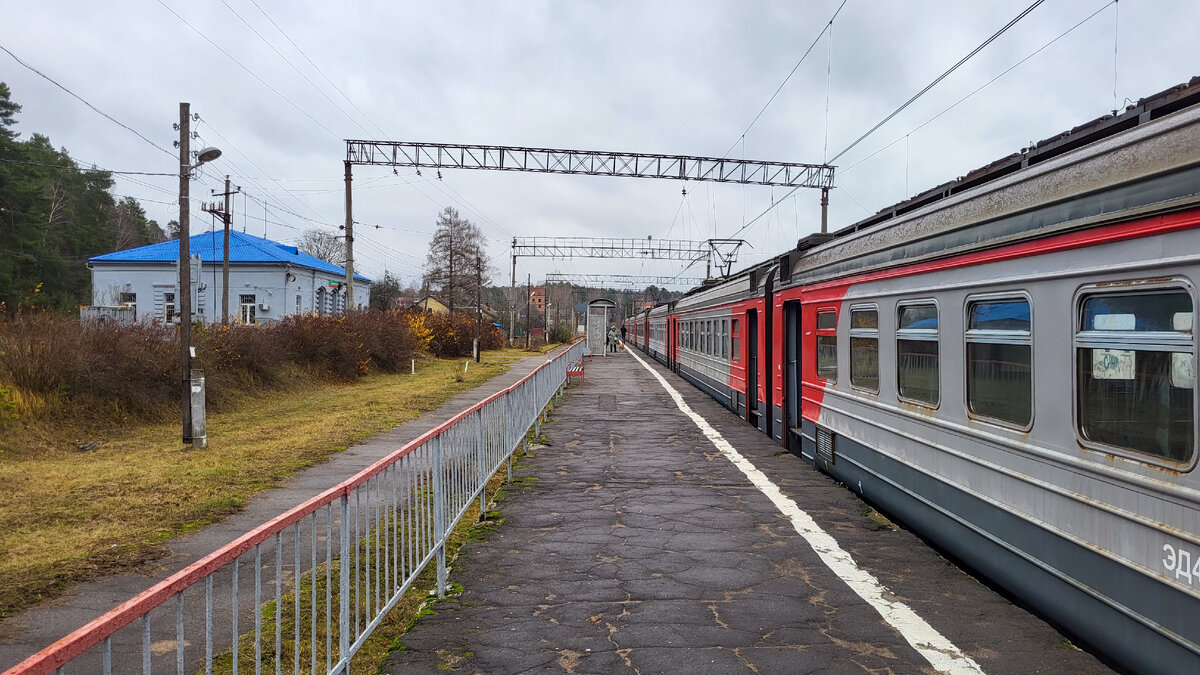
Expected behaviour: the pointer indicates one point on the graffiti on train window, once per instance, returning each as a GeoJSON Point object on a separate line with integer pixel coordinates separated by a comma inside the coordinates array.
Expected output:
{"type": "Point", "coordinates": [999, 360]}
{"type": "Point", "coordinates": [1113, 364]}
{"type": "Point", "coordinates": [917, 371]}
{"type": "Point", "coordinates": [864, 348]}
{"type": "Point", "coordinates": [1134, 372]}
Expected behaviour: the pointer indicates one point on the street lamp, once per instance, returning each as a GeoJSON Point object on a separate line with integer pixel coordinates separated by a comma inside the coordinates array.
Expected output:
{"type": "Point", "coordinates": [194, 433]}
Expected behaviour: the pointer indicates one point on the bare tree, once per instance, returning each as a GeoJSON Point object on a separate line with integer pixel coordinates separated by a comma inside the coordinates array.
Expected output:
{"type": "Point", "coordinates": [456, 261]}
{"type": "Point", "coordinates": [327, 246]}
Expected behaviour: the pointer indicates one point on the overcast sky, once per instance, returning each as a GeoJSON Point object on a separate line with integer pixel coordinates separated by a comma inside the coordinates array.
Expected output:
{"type": "Point", "coordinates": [653, 77]}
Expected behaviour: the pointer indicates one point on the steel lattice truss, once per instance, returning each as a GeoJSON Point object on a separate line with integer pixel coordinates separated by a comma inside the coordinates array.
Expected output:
{"type": "Point", "coordinates": [588, 162]}
{"type": "Point", "coordinates": [621, 279]}
{"type": "Point", "coordinates": [610, 247]}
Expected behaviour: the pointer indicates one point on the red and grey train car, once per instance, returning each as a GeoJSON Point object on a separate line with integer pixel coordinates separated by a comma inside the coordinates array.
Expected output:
{"type": "Point", "coordinates": [1006, 364]}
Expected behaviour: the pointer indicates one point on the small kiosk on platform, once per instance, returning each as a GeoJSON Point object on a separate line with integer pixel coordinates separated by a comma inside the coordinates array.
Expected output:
{"type": "Point", "coordinates": [600, 313]}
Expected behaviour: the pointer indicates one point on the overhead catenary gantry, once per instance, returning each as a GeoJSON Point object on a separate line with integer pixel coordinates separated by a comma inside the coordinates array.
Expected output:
{"type": "Point", "coordinates": [588, 163]}
{"type": "Point", "coordinates": [580, 162]}
{"type": "Point", "coordinates": [621, 279]}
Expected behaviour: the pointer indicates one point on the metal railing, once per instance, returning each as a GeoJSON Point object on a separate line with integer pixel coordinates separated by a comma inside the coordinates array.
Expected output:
{"type": "Point", "coordinates": [326, 573]}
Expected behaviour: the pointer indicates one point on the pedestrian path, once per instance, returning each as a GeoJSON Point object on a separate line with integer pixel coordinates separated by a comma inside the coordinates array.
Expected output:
{"type": "Point", "coordinates": [27, 633]}
{"type": "Point", "coordinates": [632, 543]}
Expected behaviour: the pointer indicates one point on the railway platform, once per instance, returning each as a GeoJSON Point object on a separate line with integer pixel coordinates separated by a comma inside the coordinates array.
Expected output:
{"type": "Point", "coordinates": [656, 532]}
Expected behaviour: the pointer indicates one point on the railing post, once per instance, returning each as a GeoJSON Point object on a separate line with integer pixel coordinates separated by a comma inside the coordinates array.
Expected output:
{"type": "Point", "coordinates": [481, 460]}
{"type": "Point", "coordinates": [439, 520]}
{"type": "Point", "coordinates": [344, 584]}
{"type": "Point", "coordinates": [509, 441]}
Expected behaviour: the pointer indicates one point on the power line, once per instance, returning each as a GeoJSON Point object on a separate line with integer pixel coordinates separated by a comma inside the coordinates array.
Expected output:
{"type": "Point", "coordinates": [315, 66]}
{"type": "Point", "coordinates": [85, 102]}
{"type": "Point", "coordinates": [293, 66]}
{"type": "Point", "coordinates": [902, 107]}
{"type": "Point", "coordinates": [962, 100]}
{"type": "Point", "coordinates": [92, 169]}
{"type": "Point", "coordinates": [941, 77]}
{"type": "Point", "coordinates": [250, 72]}
{"type": "Point", "coordinates": [778, 89]}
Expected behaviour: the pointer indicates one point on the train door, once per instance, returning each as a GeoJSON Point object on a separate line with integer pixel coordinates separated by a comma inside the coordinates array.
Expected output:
{"type": "Point", "coordinates": [752, 409]}
{"type": "Point", "coordinates": [670, 342]}
{"type": "Point", "coordinates": [791, 376]}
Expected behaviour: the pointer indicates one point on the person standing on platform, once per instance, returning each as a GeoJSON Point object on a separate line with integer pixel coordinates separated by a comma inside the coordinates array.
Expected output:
{"type": "Point", "coordinates": [623, 331]}
{"type": "Point", "coordinates": [612, 338]}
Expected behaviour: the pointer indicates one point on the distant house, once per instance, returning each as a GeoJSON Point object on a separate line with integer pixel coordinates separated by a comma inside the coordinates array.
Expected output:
{"type": "Point", "coordinates": [267, 281]}
{"type": "Point", "coordinates": [432, 304]}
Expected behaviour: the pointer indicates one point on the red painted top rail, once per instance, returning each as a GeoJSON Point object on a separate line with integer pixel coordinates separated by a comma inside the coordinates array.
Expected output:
{"type": "Point", "coordinates": [91, 634]}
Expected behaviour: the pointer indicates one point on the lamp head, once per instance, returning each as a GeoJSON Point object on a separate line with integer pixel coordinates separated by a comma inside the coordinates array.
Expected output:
{"type": "Point", "coordinates": [207, 155]}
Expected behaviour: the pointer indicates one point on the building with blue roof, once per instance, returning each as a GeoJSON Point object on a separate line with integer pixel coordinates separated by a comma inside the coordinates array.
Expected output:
{"type": "Point", "coordinates": [267, 280]}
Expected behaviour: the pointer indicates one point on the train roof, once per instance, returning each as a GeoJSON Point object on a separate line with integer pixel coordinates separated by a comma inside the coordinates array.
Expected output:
{"type": "Point", "coordinates": [1143, 158]}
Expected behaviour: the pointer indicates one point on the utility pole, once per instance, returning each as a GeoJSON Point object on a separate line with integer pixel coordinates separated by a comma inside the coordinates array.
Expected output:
{"type": "Point", "coordinates": [478, 305]}
{"type": "Point", "coordinates": [349, 243]}
{"type": "Point", "coordinates": [512, 295]}
{"type": "Point", "coordinates": [185, 267]}
{"type": "Point", "coordinates": [226, 217]}
{"type": "Point", "coordinates": [528, 308]}
{"type": "Point", "coordinates": [450, 275]}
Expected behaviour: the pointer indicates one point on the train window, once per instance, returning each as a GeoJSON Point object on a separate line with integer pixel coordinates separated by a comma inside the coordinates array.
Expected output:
{"type": "Point", "coordinates": [827, 345]}
{"type": "Point", "coordinates": [1134, 356]}
{"type": "Point", "coordinates": [724, 338]}
{"type": "Point", "coordinates": [999, 359]}
{"type": "Point", "coordinates": [864, 348]}
{"type": "Point", "coordinates": [734, 340]}
{"type": "Point", "coordinates": [917, 353]}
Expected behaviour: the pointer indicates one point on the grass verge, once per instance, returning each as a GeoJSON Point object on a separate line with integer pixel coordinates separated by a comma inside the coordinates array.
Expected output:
{"type": "Point", "coordinates": [68, 515]}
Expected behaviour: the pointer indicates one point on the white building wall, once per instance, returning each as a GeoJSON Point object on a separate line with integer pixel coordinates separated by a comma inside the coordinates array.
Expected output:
{"type": "Point", "coordinates": [280, 289]}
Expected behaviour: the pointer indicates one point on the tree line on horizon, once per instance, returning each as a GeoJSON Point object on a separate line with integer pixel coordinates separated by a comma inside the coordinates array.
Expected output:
{"type": "Point", "coordinates": [54, 215]}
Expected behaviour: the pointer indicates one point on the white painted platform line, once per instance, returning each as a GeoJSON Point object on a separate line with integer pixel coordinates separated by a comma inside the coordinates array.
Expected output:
{"type": "Point", "coordinates": [940, 652]}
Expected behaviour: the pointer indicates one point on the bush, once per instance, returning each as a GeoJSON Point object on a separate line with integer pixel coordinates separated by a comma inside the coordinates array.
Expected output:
{"type": "Point", "coordinates": [103, 367]}
{"type": "Point", "coordinates": [561, 333]}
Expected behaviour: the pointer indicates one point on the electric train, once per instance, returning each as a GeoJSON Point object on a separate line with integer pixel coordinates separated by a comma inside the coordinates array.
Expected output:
{"type": "Point", "coordinates": [1004, 363]}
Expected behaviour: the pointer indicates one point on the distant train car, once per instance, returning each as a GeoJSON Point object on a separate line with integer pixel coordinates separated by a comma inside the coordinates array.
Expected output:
{"type": "Point", "coordinates": [1006, 364]}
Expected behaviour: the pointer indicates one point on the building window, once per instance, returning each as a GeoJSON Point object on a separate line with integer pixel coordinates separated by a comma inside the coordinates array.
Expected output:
{"type": "Point", "coordinates": [319, 305]}
{"type": "Point", "coordinates": [298, 304]}
{"type": "Point", "coordinates": [734, 340]}
{"type": "Point", "coordinates": [827, 345]}
{"type": "Point", "coordinates": [1135, 372]}
{"type": "Point", "coordinates": [169, 307]}
{"type": "Point", "coordinates": [129, 300]}
{"type": "Point", "coordinates": [999, 360]}
{"type": "Point", "coordinates": [864, 348]}
{"type": "Point", "coordinates": [917, 375]}
{"type": "Point", "coordinates": [247, 308]}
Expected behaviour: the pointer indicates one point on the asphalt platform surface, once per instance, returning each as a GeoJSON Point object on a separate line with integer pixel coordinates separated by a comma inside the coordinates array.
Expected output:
{"type": "Point", "coordinates": [630, 544]}
{"type": "Point", "coordinates": [28, 632]}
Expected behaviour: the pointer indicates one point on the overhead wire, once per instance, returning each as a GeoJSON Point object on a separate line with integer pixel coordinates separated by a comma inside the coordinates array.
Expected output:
{"type": "Point", "coordinates": [973, 52]}
{"type": "Point", "coordinates": [251, 73]}
{"type": "Point", "coordinates": [84, 101]}
{"type": "Point", "coordinates": [828, 26]}
{"type": "Point", "coordinates": [941, 77]}
{"type": "Point", "coordinates": [93, 169]}
{"type": "Point", "coordinates": [293, 67]}
{"type": "Point", "coordinates": [980, 88]}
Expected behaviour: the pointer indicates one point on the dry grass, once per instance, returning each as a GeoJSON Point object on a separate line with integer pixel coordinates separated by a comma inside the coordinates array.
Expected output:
{"type": "Point", "coordinates": [68, 515]}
